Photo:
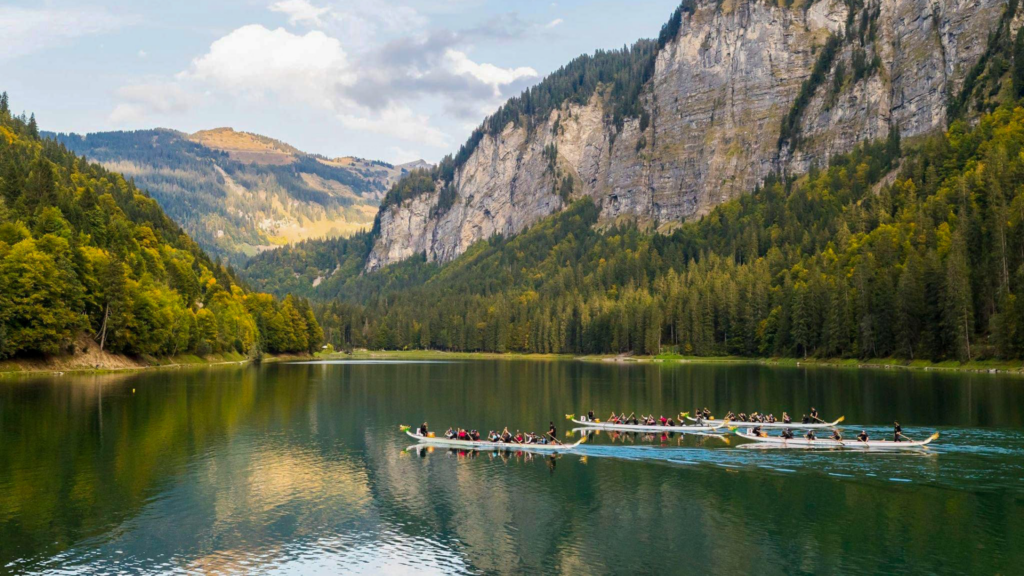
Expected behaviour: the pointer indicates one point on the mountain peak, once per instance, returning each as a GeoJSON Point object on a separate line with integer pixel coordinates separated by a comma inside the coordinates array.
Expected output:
{"type": "Point", "coordinates": [246, 146]}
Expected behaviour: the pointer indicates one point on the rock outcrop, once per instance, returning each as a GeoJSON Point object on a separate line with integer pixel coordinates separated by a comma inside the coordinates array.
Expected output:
{"type": "Point", "coordinates": [717, 98]}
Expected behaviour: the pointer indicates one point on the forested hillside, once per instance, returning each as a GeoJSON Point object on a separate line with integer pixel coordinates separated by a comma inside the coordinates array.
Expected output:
{"type": "Point", "coordinates": [238, 193]}
{"type": "Point", "coordinates": [927, 263]}
{"type": "Point", "coordinates": [83, 251]}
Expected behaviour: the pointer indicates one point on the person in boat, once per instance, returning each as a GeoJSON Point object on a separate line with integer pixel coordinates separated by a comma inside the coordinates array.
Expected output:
{"type": "Point", "coordinates": [787, 434]}
{"type": "Point", "coordinates": [836, 435]}
{"type": "Point", "coordinates": [805, 419]}
{"type": "Point", "coordinates": [700, 419]}
{"type": "Point", "coordinates": [786, 419]}
{"type": "Point", "coordinates": [758, 432]}
{"type": "Point", "coordinates": [663, 420]}
{"type": "Point", "coordinates": [590, 416]}
{"type": "Point", "coordinates": [707, 413]}
{"type": "Point", "coordinates": [814, 414]}
{"type": "Point", "coordinates": [519, 437]}
{"type": "Point", "coordinates": [771, 419]}
{"type": "Point", "coordinates": [897, 432]}
{"type": "Point", "coordinates": [492, 436]}
{"type": "Point", "coordinates": [449, 434]}
{"type": "Point", "coordinates": [613, 418]}
{"type": "Point", "coordinates": [742, 417]}
{"type": "Point", "coordinates": [463, 435]}
{"type": "Point", "coordinates": [810, 435]}
{"type": "Point", "coordinates": [670, 422]}
{"type": "Point", "coordinates": [863, 436]}
{"type": "Point", "coordinates": [475, 435]}
{"type": "Point", "coordinates": [423, 430]}
{"type": "Point", "coordinates": [552, 431]}
{"type": "Point", "coordinates": [506, 436]}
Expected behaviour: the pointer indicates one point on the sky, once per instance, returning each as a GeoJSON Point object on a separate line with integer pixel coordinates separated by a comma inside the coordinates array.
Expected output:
{"type": "Point", "coordinates": [393, 80]}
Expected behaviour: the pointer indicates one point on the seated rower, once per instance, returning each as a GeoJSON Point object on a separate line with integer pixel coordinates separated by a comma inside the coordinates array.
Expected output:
{"type": "Point", "coordinates": [707, 413]}
{"type": "Point", "coordinates": [787, 434]}
{"type": "Point", "coordinates": [836, 435]}
{"type": "Point", "coordinates": [613, 418]}
{"type": "Point", "coordinates": [671, 422]}
{"type": "Point", "coordinates": [449, 434]}
{"type": "Point", "coordinates": [492, 436]}
{"type": "Point", "coordinates": [786, 419]}
{"type": "Point", "coordinates": [663, 420]}
{"type": "Point", "coordinates": [810, 435]}
{"type": "Point", "coordinates": [863, 436]}
{"type": "Point", "coordinates": [518, 437]}
{"type": "Point", "coordinates": [806, 420]}
{"type": "Point", "coordinates": [463, 435]}
{"type": "Point", "coordinates": [758, 432]}
{"type": "Point", "coordinates": [423, 430]}
{"type": "Point", "coordinates": [742, 417]}
{"type": "Point", "coordinates": [506, 436]}
{"type": "Point", "coordinates": [475, 435]}
{"type": "Point", "coordinates": [771, 418]}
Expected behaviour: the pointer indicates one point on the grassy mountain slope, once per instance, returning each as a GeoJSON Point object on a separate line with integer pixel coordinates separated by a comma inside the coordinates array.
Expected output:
{"type": "Point", "coordinates": [82, 250]}
{"type": "Point", "coordinates": [238, 193]}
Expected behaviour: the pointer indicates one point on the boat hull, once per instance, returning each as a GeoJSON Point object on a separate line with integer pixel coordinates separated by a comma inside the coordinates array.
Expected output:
{"type": "Point", "coordinates": [828, 443]}
{"type": "Point", "coordinates": [779, 425]}
{"type": "Point", "coordinates": [484, 445]}
{"type": "Point", "coordinates": [651, 429]}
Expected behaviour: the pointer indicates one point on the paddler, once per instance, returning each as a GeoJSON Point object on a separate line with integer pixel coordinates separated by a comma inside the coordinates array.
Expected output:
{"type": "Point", "coordinates": [707, 413]}
{"type": "Point", "coordinates": [810, 435]}
{"type": "Point", "coordinates": [475, 435]}
{"type": "Point", "coordinates": [786, 418]}
{"type": "Point", "coordinates": [805, 419]}
{"type": "Point", "coordinates": [814, 414]}
{"type": "Point", "coordinates": [863, 436]}
{"type": "Point", "coordinates": [897, 432]}
{"type": "Point", "coordinates": [663, 420]}
{"type": "Point", "coordinates": [506, 436]}
{"type": "Point", "coordinates": [423, 430]}
{"type": "Point", "coordinates": [836, 435]}
{"type": "Point", "coordinates": [787, 434]}
{"type": "Point", "coordinates": [613, 418]}
{"type": "Point", "coordinates": [519, 437]}
{"type": "Point", "coordinates": [757, 432]}
{"type": "Point", "coordinates": [590, 416]}
{"type": "Point", "coordinates": [552, 431]}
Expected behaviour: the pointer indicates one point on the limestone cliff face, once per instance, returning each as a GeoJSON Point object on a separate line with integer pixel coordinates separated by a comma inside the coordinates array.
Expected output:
{"type": "Point", "coordinates": [716, 102]}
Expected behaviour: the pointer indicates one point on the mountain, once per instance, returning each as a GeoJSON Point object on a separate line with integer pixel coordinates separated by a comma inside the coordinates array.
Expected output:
{"type": "Point", "coordinates": [89, 260]}
{"type": "Point", "coordinates": [909, 245]}
{"type": "Point", "coordinates": [729, 93]}
{"type": "Point", "coordinates": [238, 193]}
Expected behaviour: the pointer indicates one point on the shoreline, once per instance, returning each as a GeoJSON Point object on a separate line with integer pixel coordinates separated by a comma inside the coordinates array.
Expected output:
{"type": "Point", "coordinates": [69, 365]}
{"type": "Point", "coordinates": [1013, 367]}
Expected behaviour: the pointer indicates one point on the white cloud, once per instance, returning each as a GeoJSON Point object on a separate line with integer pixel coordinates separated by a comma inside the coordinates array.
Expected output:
{"type": "Point", "coordinates": [493, 76]}
{"type": "Point", "coordinates": [27, 30]}
{"type": "Point", "coordinates": [400, 122]}
{"type": "Point", "coordinates": [301, 12]}
{"type": "Point", "coordinates": [140, 101]}
{"type": "Point", "coordinates": [255, 61]}
{"type": "Point", "coordinates": [553, 23]}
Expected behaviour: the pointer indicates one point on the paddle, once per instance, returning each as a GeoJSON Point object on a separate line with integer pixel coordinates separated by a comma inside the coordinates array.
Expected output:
{"type": "Point", "coordinates": [555, 439]}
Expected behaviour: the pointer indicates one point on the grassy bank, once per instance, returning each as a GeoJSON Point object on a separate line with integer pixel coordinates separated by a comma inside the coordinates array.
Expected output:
{"type": "Point", "coordinates": [105, 362]}
{"type": "Point", "coordinates": [992, 366]}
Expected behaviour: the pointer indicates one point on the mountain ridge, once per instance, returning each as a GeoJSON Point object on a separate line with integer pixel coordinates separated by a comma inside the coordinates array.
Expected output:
{"type": "Point", "coordinates": [239, 193]}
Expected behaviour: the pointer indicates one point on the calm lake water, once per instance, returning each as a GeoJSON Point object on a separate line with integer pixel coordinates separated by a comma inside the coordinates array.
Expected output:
{"type": "Point", "coordinates": [301, 468]}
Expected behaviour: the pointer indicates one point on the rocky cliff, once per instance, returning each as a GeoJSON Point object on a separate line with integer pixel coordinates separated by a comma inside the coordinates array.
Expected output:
{"type": "Point", "coordinates": [715, 105]}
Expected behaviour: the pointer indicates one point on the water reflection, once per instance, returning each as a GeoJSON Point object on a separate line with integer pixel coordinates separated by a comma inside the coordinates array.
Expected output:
{"type": "Point", "coordinates": [301, 468]}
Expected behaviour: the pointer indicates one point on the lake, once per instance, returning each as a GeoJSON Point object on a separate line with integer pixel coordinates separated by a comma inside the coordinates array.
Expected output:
{"type": "Point", "coordinates": [301, 468]}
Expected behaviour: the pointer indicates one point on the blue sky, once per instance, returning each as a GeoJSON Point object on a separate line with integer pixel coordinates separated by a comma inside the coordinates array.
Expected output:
{"type": "Point", "coordinates": [386, 79]}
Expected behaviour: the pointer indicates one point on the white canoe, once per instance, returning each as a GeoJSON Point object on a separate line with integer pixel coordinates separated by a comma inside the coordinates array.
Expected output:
{"type": "Point", "coordinates": [849, 444]}
{"type": "Point", "coordinates": [780, 425]}
{"type": "Point", "coordinates": [655, 428]}
{"type": "Point", "coordinates": [485, 445]}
